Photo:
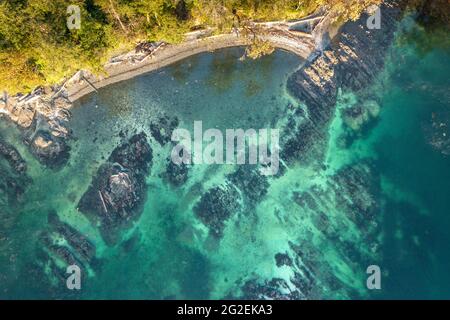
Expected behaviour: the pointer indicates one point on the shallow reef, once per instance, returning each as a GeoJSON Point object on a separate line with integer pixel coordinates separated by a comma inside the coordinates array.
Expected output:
{"type": "Point", "coordinates": [98, 189]}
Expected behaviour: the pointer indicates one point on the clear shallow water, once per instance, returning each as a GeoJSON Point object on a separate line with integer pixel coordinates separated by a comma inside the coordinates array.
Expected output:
{"type": "Point", "coordinates": [168, 254]}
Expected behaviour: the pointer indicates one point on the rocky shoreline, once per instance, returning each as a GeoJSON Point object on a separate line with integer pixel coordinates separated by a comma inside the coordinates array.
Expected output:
{"type": "Point", "coordinates": [14, 177]}
{"type": "Point", "coordinates": [350, 63]}
{"type": "Point", "coordinates": [118, 191]}
{"type": "Point", "coordinates": [42, 115]}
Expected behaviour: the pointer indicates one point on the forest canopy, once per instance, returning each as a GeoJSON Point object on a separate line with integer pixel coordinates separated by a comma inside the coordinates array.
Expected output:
{"type": "Point", "coordinates": [37, 48]}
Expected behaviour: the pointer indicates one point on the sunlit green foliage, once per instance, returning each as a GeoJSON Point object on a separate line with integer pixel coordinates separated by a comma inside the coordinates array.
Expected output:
{"type": "Point", "coordinates": [37, 48]}
{"type": "Point", "coordinates": [259, 48]}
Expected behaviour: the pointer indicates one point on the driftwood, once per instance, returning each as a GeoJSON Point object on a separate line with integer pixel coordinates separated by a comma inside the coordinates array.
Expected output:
{"type": "Point", "coordinates": [103, 201]}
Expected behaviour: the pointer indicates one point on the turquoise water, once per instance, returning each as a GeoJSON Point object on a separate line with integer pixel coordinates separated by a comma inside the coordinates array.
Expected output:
{"type": "Point", "coordinates": [415, 177]}
{"type": "Point", "coordinates": [168, 253]}
{"type": "Point", "coordinates": [416, 213]}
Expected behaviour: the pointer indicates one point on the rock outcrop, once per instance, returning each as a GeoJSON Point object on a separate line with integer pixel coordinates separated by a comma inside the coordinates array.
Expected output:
{"type": "Point", "coordinates": [216, 206]}
{"type": "Point", "coordinates": [239, 194]}
{"type": "Point", "coordinates": [51, 151]}
{"type": "Point", "coordinates": [274, 289]}
{"type": "Point", "coordinates": [118, 191]}
{"type": "Point", "coordinates": [58, 247]}
{"type": "Point", "coordinates": [251, 183]}
{"type": "Point", "coordinates": [13, 157]}
{"type": "Point", "coordinates": [13, 176]}
{"type": "Point", "coordinates": [43, 116]}
{"type": "Point", "coordinates": [162, 127]}
{"type": "Point", "coordinates": [176, 174]}
{"type": "Point", "coordinates": [351, 62]}
{"type": "Point", "coordinates": [346, 201]}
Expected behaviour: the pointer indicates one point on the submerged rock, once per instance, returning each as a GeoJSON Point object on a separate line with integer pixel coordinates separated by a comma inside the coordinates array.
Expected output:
{"type": "Point", "coordinates": [118, 191]}
{"type": "Point", "coordinates": [13, 157]}
{"type": "Point", "coordinates": [357, 117]}
{"type": "Point", "coordinates": [162, 128]}
{"type": "Point", "coordinates": [80, 243]}
{"type": "Point", "coordinates": [252, 185]}
{"type": "Point", "coordinates": [241, 193]}
{"type": "Point", "coordinates": [13, 176]}
{"type": "Point", "coordinates": [135, 155]}
{"type": "Point", "coordinates": [274, 289]}
{"type": "Point", "coordinates": [356, 188]}
{"type": "Point", "coordinates": [282, 259]}
{"type": "Point", "coordinates": [176, 174]}
{"type": "Point", "coordinates": [345, 202]}
{"type": "Point", "coordinates": [216, 206]}
{"type": "Point", "coordinates": [60, 246]}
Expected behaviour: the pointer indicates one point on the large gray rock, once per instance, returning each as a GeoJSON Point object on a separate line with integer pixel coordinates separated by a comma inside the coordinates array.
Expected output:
{"type": "Point", "coordinates": [118, 191]}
